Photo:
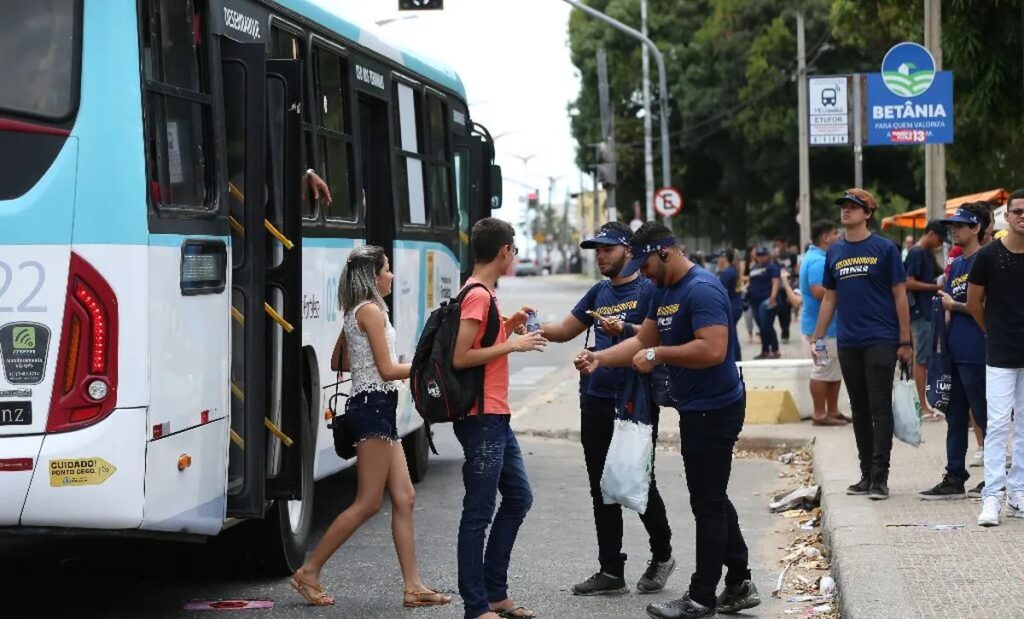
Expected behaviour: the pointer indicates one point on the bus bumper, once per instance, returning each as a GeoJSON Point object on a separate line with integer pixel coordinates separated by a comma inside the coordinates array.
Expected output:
{"type": "Point", "coordinates": [89, 478]}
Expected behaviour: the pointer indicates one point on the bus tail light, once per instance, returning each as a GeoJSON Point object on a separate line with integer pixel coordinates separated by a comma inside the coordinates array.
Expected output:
{"type": "Point", "coordinates": [85, 389]}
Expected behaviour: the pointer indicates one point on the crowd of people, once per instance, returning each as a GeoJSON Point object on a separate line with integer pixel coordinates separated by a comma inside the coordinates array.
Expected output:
{"type": "Point", "coordinates": [863, 307]}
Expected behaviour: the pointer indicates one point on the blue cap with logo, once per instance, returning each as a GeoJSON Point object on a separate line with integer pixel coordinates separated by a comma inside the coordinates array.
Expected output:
{"type": "Point", "coordinates": [963, 216]}
{"type": "Point", "coordinates": [607, 235]}
{"type": "Point", "coordinates": [640, 254]}
{"type": "Point", "coordinates": [761, 251]}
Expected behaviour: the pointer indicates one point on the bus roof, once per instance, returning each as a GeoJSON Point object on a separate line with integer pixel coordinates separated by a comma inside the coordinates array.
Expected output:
{"type": "Point", "coordinates": [370, 37]}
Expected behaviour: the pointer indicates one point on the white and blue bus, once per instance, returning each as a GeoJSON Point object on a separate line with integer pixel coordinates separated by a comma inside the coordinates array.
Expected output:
{"type": "Point", "coordinates": [168, 285]}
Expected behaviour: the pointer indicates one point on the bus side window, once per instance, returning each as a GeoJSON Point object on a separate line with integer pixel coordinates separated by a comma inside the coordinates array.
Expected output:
{"type": "Point", "coordinates": [438, 162]}
{"type": "Point", "coordinates": [409, 174]}
{"type": "Point", "coordinates": [176, 105]}
{"type": "Point", "coordinates": [334, 132]}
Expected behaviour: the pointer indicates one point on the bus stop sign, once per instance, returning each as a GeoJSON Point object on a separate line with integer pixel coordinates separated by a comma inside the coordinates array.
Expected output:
{"type": "Point", "coordinates": [668, 202]}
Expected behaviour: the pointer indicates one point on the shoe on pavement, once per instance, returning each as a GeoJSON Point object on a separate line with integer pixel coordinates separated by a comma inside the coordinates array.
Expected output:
{"type": "Point", "coordinates": [861, 487]}
{"type": "Point", "coordinates": [741, 598]}
{"type": "Point", "coordinates": [990, 507]}
{"type": "Point", "coordinates": [656, 576]}
{"type": "Point", "coordinates": [978, 459]}
{"type": "Point", "coordinates": [948, 488]}
{"type": "Point", "coordinates": [1015, 505]}
{"type": "Point", "coordinates": [879, 490]}
{"type": "Point", "coordinates": [601, 583]}
{"type": "Point", "coordinates": [975, 492]}
{"type": "Point", "coordinates": [829, 421]}
{"type": "Point", "coordinates": [683, 608]}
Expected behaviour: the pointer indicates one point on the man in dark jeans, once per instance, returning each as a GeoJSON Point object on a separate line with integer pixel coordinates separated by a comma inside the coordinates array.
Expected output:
{"type": "Point", "coordinates": [787, 261]}
{"type": "Point", "coordinates": [614, 308]}
{"type": "Point", "coordinates": [494, 462]}
{"type": "Point", "coordinates": [687, 330]}
{"type": "Point", "coordinates": [764, 292]}
{"type": "Point", "coordinates": [864, 279]}
{"type": "Point", "coordinates": [922, 271]}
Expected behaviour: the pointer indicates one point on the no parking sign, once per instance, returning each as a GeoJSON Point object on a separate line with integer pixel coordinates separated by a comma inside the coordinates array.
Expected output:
{"type": "Point", "coordinates": [668, 202]}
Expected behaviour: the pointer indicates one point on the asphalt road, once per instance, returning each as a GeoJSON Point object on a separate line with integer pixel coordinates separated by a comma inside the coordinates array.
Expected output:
{"type": "Point", "coordinates": [556, 547]}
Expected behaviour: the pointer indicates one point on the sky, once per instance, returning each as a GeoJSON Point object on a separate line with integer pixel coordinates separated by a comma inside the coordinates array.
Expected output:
{"type": "Point", "coordinates": [513, 57]}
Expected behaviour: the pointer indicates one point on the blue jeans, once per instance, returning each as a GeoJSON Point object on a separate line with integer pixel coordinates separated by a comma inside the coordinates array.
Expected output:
{"type": "Point", "coordinates": [493, 463]}
{"type": "Point", "coordinates": [967, 395]}
{"type": "Point", "coordinates": [766, 324]}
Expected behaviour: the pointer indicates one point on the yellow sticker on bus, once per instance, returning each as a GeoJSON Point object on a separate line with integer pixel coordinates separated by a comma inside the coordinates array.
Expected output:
{"type": "Point", "coordinates": [80, 472]}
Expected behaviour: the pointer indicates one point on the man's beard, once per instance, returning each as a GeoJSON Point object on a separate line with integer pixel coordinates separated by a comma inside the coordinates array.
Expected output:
{"type": "Point", "coordinates": [615, 268]}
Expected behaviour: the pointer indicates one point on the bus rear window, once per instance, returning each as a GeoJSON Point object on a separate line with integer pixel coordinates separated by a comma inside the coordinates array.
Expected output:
{"type": "Point", "coordinates": [39, 58]}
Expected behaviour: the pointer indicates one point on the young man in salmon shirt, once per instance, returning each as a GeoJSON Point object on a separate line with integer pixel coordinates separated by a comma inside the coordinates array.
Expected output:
{"type": "Point", "coordinates": [494, 462]}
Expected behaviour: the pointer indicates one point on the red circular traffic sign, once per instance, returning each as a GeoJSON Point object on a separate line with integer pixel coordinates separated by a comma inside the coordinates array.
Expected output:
{"type": "Point", "coordinates": [668, 201]}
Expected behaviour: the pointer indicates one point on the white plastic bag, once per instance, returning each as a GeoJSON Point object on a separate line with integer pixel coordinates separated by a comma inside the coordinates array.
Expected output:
{"type": "Point", "coordinates": [627, 469]}
{"type": "Point", "coordinates": [906, 411]}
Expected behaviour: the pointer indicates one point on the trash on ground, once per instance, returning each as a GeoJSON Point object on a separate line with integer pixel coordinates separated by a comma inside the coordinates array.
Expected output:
{"type": "Point", "coordinates": [777, 593]}
{"type": "Point", "coordinates": [229, 604]}
{"type": "Point", "coordinates": [813, 599]}
{"type": "Point", "coordinates": [795, 513]}
{"type": "Point", "coordinates": [926, 525]}
{"type": "Point", "coordinates": [827, 585]}
{"type": "Point", "coordinates": [802, 498]}
{"type": "Point", "coordinates": [787, 458]}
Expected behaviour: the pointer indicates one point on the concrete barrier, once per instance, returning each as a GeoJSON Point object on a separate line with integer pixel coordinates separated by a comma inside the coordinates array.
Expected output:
{"type": "Point", "coordinates": [773, 375]}
{"type": "Point", "coordinates": [771, 406]}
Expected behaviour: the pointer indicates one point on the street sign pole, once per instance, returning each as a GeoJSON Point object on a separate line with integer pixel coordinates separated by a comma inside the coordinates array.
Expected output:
{"type": "Point", "coordinates": [804, 111]}
{"type": "Point", "coordinates": [858, 132]}
{"type": "Point", "coordinates": [934, 154]}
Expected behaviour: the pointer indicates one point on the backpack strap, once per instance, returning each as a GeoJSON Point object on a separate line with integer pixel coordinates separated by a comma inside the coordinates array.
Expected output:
{"type": "Point", "coordinates": [490, 331]}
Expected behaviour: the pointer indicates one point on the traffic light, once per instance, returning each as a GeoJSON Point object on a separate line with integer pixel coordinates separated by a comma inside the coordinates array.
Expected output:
{"type": "Point", "coordinates": [420, 5]}
{"type": "Point", "coordinates": [532, 200]}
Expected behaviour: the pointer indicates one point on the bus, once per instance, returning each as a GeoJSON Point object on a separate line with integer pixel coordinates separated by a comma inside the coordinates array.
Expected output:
{"type": "Point", "coordinates": [168, 282]}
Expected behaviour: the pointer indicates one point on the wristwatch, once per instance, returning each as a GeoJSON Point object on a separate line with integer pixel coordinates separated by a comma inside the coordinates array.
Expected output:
{"type": "Point", "coordinates": [310, 171]}
{"type": "Point", "coordinates": [650, 356]}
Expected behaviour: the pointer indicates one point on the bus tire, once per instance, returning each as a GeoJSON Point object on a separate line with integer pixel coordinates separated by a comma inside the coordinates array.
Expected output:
{"type": "Point", "coordinates": [288, 525]}
{"type": "Point", "coordinates": [417, 452]}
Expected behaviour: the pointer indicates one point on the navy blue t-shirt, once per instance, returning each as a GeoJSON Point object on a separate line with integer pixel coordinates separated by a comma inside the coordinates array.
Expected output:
{"type": "Point", "coordinates": [966, 339]}
{"type": "Point", "coordinates": [730, 278]}
{"type": "Point", "coordinates": [761, 276]}
{"type": "Point", "coordinates": [921, 266]}
{"type": "Point", "coordinates": [863, 274]}
{"type": "Point", "coordinates": [695, 302]}
{"type": "Point", "coordinates": [628, 302]}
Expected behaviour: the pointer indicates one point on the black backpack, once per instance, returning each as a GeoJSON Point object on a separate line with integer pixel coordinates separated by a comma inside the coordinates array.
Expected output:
{"type": "Point", "coordinates": [441, 393]}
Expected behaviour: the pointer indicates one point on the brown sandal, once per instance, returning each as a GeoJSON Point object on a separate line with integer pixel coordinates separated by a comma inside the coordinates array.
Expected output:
{"type": "Point", "coordinates": [313, 594]}
{"type": "Point", "coordinates": [417, 599]}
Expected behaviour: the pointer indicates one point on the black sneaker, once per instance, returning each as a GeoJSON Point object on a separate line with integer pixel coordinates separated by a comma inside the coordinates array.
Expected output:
{"type": "Point", "coordinates": [861, 487]}
{"type": "Point", "coordinates": [948, 488]}
{"type": "Point", "coordinates": [656, 576]}
{"type": "Point", "coordinates": [601, 583]}
{"type": "Point", "coordinates": [683, 608]}
{"type": "Point", "coordinates": [975, 492]}
{"type": "Point", "coordinates": [879, 490]}
{"type": "Point", "coordinates": [741, 598]}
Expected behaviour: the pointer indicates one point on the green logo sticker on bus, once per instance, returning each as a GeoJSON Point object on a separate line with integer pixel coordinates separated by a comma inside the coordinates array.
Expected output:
{"type": "Point", "coordinates": [24, 338]}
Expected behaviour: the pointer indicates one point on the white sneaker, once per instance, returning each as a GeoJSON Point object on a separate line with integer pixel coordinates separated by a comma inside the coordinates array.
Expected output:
{"type": "Point", "coordinates": [990, 508]}
{"type": "Point", "coordinates": [979, 458]}
{"type": "Point", "coordinates": [1015, 505]}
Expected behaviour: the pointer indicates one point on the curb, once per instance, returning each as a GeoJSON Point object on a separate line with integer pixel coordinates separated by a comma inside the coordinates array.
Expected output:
{"type": "Point", "coordinates": [868, 582]}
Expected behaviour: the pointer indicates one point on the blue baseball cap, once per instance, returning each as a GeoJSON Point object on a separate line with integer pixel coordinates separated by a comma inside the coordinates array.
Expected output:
{"type": "Point", "coordinates": [640, 253]}
{"type": "Point", "coordinates": [762, 251]}
{"type": "Point", "coordinates": [607, 235]}
{"type": "Point", "coordinates": [963, 216]}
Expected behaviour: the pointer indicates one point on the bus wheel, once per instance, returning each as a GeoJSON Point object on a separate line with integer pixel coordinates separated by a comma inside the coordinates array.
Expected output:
{"type": "Point", "coordinates": [289, 524]}
{"type": "Point", "coordinates": [417, 452]}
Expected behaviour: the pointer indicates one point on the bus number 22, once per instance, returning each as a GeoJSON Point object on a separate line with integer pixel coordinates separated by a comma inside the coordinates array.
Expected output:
{"type": "Point", "coordinates": [7, 276]}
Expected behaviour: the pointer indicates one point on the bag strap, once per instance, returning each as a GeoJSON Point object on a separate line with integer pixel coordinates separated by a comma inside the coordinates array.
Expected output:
{"type": "Point", "coordinates": [489, 337]}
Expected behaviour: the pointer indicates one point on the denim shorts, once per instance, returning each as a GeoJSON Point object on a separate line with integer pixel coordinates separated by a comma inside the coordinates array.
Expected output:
{"type": "Point", "coordinates": [372, 414]}
{"type": "Point", "coordinates": [923, 335]}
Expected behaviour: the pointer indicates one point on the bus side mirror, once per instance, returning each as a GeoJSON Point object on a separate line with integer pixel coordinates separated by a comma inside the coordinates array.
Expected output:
{"type": "Point", "coordinates": [496, 191]}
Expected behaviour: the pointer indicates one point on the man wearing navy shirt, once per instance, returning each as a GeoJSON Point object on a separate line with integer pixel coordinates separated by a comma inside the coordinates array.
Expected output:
{"type": "Point", "coordinates": [864, 280]}
{"type": "Point", "coordinates": [763, 292]}
{"type": "Point", "coordinates": [621, 303]}
{"type": "Point", "coordinates": [730, 281]}
{"type": "Point", "coordinates": [922, 272]}
{"type": "Point", "coordinates": [688, 330]}
{"type": "Point", "coordinates": [966, 347]}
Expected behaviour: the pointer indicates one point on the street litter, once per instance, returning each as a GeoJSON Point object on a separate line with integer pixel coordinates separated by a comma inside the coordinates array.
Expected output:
{"type": "Point", "coordinates": [925, 525]}
{"type": "Point", "coordinates": [803, 498]}
{"type": "Point", "coordinates": [794, 513]}
{"type": "Point", "coordinates": [777, 593]}
{"type": "Point", "coordinates": [787, 458]}
{"type": "Point", "coordinates": [827, 586]}
{"type": "Point", "coordinates": [813, 599]}
{"type": "Point", "coordinates": [229, 604]}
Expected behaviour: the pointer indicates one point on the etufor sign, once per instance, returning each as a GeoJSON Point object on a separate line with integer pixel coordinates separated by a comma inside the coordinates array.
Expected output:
{"type": "Point", "coordinates": [909, 102]}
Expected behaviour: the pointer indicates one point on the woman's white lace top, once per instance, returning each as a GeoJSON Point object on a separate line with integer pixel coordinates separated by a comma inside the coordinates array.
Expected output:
{"type": "Point", "coordinates": [365, 376]}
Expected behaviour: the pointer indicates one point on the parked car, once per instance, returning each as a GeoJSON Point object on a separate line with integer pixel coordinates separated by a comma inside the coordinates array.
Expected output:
{"type": "Point", "coordinates": [527, 268]}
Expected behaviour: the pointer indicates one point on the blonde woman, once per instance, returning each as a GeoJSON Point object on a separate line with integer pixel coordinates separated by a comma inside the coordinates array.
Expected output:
{"type": "Point", "coordinates": [367, 347]}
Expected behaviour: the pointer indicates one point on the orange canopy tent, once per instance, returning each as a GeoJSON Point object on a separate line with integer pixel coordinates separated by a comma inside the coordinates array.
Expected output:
{"type": "Point", "coordinates": [919, 218]}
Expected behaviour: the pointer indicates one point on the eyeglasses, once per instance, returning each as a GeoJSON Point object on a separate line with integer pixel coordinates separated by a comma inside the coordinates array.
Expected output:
{"type": "Point", "coordinates": [1016, 212]}
{"type": "Point", "coordinates": [515, 250]}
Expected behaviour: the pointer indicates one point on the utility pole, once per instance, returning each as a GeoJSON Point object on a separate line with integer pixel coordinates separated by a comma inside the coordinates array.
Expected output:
{"type": "Point", "coordinates": [934, 154]}
{"type": "Point", "coordinates": [609, 172]}
{"type": "Point", "coordinates": [858, 131]}
{"type": "Point", "coordinates": [648, 146]}
{"type": "Point", "coordinates": [804, 200]}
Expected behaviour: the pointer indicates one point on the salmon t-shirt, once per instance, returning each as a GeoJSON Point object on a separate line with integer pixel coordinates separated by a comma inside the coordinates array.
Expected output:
{"type": "Point", "coordinates": [476, 306]}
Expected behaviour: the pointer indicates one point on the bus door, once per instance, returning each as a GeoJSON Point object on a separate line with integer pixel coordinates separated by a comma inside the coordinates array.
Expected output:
{"type": "Point", "coordinates": [262, 109]}
{"type": "Point", "coordinates": [375, 157]}
{"type": "Point", "coordinates": [474, 157]}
